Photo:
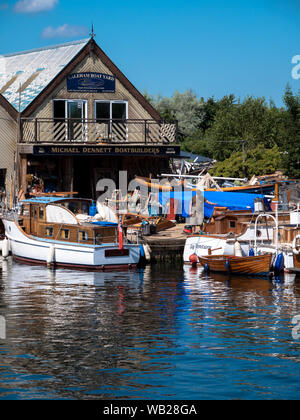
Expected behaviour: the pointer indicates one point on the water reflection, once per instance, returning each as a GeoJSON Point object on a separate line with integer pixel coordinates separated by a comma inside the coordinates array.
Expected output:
{"type": "Point", "coordinates": [163, 332]}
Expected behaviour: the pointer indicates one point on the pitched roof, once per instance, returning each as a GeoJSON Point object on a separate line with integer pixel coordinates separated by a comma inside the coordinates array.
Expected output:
{"type": "Point", "coordinates": [33, 70]}
{"type": "Point", "coordinates": [39, 72]}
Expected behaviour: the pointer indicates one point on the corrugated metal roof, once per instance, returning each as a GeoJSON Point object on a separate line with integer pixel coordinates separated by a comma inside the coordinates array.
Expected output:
{"type": "Point", "coordinates": [33, 70]}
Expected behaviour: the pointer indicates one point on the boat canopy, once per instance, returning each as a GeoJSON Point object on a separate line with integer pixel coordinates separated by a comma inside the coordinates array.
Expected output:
{"type": "Point", "coordinates": [212, 199]}
{"type": "Point", "coordinates": [58, 214]}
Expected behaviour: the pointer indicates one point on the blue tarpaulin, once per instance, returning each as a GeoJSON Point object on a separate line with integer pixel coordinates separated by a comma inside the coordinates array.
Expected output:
{"type": "Point", "coordinates": [106, 224]}
{"type": "Point", "coordinates": [213, 199]}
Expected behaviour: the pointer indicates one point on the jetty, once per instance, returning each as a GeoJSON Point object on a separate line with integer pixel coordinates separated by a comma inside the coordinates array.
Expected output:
{"type": "Point", "coordinates": [167, 245]}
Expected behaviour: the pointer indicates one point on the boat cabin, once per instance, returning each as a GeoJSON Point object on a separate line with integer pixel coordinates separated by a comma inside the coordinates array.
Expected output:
{"type": "Point", "coordinates": [66, 220]}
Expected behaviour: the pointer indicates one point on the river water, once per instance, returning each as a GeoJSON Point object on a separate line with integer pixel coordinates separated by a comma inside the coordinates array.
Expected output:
{"type": "Point", "coordinates": [165, 333]}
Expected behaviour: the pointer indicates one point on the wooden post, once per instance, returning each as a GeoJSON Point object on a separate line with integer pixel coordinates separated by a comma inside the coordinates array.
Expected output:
{"type": "Point", "coordinates": [23, 173]}
{"type": "Point", "coordinates": [68, 175]}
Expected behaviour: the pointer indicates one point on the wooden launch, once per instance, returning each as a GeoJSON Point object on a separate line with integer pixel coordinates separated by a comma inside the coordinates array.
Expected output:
{"type": "Point", "coordinates": [60, 232]}
{"type": "Point", "coordinates": [254, 265]}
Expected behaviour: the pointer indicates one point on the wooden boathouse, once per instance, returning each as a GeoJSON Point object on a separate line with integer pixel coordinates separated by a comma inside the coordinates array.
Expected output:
{"type": "Point", "coordinates": [72, 118]}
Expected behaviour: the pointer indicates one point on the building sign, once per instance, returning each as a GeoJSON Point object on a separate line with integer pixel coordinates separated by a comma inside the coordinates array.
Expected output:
{"type": "Point", "coordinates": [91, 82]}
{"type": "Point", "coordinates": [103, 150]}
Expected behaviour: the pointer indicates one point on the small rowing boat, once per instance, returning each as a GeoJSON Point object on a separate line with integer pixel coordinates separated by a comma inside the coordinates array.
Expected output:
{"type": "Point", "coordinates": [259, 265]}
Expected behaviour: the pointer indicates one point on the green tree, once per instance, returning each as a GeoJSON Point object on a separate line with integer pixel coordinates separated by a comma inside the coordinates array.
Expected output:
{"type": "Point", "coordinates": [291, 144]}
{"type": "Point", "coordinates": [258, 162]}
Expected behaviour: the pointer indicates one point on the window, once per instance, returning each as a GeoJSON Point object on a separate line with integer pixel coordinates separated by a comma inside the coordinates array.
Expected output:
{"type": "Point", "coordinates": [98, 239]}
{"type": "Point", "coordinates": [24, 210]}
{"type": "Point", "coordinates": [65, 234]}
{"type": "Point", "coordinates": [49, 231]}
{"type": "Point", "coordinates": [83, 235]}
{"type": "Point", "coordinates": [232, 224]}
{"type": "Point", "coordinates": [69, 117]}
{"type": "Point", "coordinates": [41, 213]}
{"type": "Point", "coordinates": [85, 208]}
{"type": "Point", "coordinates": [111, 117]}
{"type": "Point", "coordinates": [111, 110]}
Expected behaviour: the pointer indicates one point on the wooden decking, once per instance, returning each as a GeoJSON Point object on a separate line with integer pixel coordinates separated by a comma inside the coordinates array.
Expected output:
{"type": "Point", "coordinates": [167, 245]}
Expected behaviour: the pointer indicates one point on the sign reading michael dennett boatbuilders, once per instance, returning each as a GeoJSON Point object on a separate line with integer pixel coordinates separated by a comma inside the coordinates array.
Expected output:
{"type": "Point", "coordinates": [107, 150]}
{"type": "Point", "coordinates": [91, 82]}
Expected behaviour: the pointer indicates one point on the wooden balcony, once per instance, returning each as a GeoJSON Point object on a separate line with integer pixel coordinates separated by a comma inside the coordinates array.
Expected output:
{"type": "Point", "coordinates": [77, 131]}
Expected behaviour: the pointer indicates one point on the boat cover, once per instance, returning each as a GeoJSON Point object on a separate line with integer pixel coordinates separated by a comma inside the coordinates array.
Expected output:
{"type": "Point", "coordinates": [212, 199]}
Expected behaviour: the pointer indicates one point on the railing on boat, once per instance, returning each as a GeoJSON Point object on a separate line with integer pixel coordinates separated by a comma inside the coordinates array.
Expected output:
{"type": "Point", "coordinates": [42, 130]}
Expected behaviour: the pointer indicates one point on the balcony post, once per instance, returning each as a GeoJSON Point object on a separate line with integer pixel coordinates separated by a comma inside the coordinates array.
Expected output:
{"type": "Point", "coordinates": [21, 130]}
{"type": "Point", "coordinates": [35, 130]}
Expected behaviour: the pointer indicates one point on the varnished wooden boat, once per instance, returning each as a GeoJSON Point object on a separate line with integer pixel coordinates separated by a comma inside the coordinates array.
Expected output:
{"type": "Point", "coordinates": [250, 189]}
{"type": "Point", "coordinates": [154, 186]}
{"type": "Point", "coordinates": [297, 263]}
{"type": "Point", "coordinates": [257, 265]}
{"type": "Point", "coordinates": [60, 232]}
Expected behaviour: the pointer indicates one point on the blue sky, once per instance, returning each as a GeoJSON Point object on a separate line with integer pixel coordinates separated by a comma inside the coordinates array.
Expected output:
{"type": "Point", "coordinates": [215, 48]}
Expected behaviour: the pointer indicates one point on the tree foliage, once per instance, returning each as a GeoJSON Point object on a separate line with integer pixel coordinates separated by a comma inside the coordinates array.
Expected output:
{"type": "Point", "coordinates": [257, 161]}
{"type": "Point", "coordinates": [219, 129]}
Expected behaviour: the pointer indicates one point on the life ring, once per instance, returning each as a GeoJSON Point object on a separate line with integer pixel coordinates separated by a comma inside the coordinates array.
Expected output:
{"type": "Point", "coordinates": [296, 249]}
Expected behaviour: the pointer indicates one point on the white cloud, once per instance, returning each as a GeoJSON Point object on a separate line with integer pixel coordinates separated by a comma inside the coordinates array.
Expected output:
{"type": "Point", "coordinates": [34, 6]}
{"type": "Point", "coordinates": [64, 31]}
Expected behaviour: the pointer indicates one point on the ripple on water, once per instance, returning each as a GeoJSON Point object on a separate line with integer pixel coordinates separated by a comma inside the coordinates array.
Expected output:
{"type": "Point", "coordinates": [163, 333]}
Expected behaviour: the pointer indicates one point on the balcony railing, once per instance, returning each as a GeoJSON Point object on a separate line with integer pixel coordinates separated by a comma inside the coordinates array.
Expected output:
{"type": "Point", "coordinates": [40, 130]}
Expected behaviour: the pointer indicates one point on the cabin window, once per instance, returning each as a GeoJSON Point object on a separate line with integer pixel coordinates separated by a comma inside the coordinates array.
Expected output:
{"type": "Point", "coordinates": [49, 231]}
{"type": "Point", "coordinates": [83, 235]}
{"type": "Point", "coordinates": [85, 208]}
{"type": "Point", "coordinates": [34, 212]}
{"type": "Point", "coordinates": [24, 210]}
{"type": "Point", "coordinates": [232, 224]}
{"type": "Point", "coordinates": [65, 234]}
{"type": "Point", "coordinates": [98, 239]}
{"type": "Point", "coordinates": [41, 212]}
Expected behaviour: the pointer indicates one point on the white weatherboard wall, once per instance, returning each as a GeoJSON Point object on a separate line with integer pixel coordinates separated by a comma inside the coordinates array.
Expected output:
{"type": "Point", "coordinates": [8, 140]}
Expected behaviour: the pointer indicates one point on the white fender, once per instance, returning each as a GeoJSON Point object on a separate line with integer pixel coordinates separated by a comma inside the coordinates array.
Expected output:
{"type": "Point", "coordinates": [147, 252]}
{"type": "Point", "coordinates": [237, 249]}
{"type": "Point", "coordinates": [296, 249]}
{"type": "Point", "coordinates": [5, 248]}
{"type": "Point", "coordinates": [51, 255]}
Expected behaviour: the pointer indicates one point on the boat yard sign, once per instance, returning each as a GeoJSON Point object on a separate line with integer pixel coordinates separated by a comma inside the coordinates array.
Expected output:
{"type": "Point", "coordinates": [170, 151]}
{"type": "Point", "coordinates": [91, 82]}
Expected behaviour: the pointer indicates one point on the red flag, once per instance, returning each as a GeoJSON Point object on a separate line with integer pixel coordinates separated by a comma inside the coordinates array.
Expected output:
{"type": "Point", "coordinates": [120, 229]}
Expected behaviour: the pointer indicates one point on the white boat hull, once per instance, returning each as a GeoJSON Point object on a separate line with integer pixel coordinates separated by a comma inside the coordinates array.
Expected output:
{"type": "Point", "coordinates": [37, 250]}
